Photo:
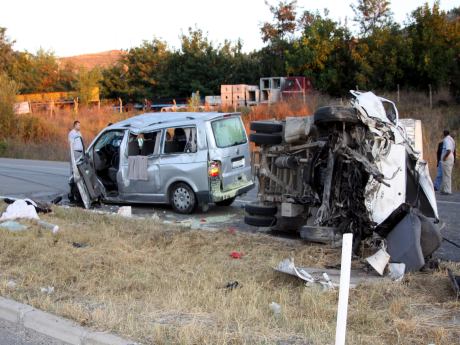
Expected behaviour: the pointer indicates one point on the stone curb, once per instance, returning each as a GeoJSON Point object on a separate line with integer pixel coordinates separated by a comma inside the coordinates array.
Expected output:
{"type": "Point", "coordinates": [54, 326]}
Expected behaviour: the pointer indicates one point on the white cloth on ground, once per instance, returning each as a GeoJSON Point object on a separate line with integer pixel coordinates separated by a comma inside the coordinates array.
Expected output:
{"type": "Point", "coordinates": [19, 209]}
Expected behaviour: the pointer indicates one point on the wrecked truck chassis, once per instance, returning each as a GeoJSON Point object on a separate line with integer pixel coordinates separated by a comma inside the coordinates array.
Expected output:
{"type": "Point", "coordinates": [347, 169]}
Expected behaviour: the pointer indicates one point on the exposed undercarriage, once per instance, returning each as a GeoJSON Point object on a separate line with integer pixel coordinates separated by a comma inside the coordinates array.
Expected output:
{"type": "Point", "coordinates": [344, 169]}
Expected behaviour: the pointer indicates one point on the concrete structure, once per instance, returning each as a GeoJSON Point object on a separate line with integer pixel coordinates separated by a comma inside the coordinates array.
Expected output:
{"type": "Point", "coordinates": [212, 100]}
{"type": "Point", "coordinates": [275, 89]}
{"type": "Point", "coordinates": [239, 95]}
{"type": "Point", "coordinates": [53, 326]}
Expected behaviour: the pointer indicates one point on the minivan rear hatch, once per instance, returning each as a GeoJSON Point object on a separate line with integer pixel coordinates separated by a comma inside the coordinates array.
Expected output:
{"type": "Point", "coordinates": [232, 150]}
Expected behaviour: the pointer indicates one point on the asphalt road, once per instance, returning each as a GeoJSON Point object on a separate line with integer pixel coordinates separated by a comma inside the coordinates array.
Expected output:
{"type": "Point", "coordinates": [43, 180]}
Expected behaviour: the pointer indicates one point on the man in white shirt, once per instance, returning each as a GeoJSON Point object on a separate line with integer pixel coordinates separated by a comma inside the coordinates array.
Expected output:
{"type": "Point", "coordinates": [76, 141]}
{"type": "Point", "coordinates": [447, 163]}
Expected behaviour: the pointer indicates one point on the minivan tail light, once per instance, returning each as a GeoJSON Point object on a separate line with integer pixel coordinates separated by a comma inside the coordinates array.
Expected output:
{"type": "Point", "coordinates": [214, 169]}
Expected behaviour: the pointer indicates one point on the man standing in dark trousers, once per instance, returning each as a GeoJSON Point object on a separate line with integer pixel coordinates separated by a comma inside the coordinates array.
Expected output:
{"type": "Point", "coordinates": [438, 179]}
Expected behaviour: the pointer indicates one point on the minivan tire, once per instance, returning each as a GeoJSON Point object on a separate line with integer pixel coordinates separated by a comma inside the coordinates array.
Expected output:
{"type": "Point", "coordinates": [261, 209]}
{"type": "Point", "coordinates": [266, 127]}
{"type": "Point", "coordinates": [226, 202]}
{"type": "Point", "coordinates": [262, 221]}
{"type": "Point", "coordinates": [265, 138]}
{"type": "Point", "coordinates": [182, 198]}
{"type": "Point", "coordinates": [335, 114]}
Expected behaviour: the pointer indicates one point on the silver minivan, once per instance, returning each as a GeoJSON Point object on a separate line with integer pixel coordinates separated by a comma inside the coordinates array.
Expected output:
{"type": "Point", "coordinates": [183, 159]}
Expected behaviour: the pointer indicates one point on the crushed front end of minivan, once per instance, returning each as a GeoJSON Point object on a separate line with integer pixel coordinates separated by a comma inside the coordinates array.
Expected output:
{"type": "Point", "coordinates": [346, 169]}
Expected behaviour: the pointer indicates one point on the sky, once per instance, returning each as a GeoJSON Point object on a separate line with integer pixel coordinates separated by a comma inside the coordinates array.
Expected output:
{"type": "Point", "coordinates": [88, 26]}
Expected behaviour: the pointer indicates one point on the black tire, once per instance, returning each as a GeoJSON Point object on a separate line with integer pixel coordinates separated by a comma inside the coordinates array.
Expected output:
{"type": "Point", "coordinates": [265, 138]}
{"type": "Point", "coordinates": [226, 202]}
{"type": "Point", "coordinates": [261, 209]}
{"type": "Point", "coordinates": [288, 224]}
{"type": "Point", "coordinates": [268, 127]}
{"type": "Point", "coordinates": [261, 221]}
{"type": "Point", "coordinates": [335, 114]}
{"type": "Point", "coordinates": [182, 198]}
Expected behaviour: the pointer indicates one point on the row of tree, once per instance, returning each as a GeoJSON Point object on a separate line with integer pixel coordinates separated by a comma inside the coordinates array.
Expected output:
{"type": "Point", "coordinates": [382, 55]}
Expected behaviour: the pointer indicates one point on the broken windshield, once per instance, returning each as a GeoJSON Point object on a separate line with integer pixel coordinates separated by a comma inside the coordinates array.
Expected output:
{"type": "Point", "coordinates": [229, 132]}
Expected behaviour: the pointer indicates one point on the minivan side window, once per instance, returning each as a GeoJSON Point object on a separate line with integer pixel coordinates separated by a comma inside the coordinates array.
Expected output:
{"type": "Point", "coordinates": [143, 144]}
{"type": "Point", "coordinates": [180, 140]}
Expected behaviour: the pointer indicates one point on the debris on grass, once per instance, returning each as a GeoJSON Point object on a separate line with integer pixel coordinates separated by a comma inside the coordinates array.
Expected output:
{"type": "Point", "coordinates": [47, 290]}
{"type": "Point", "coordinates": [275, 308]}
{"type": "Point", "coordinates": [316, 275]}
{"type": "Point", "coordinates": [19, 209]}
{"type": "Point", "coordinates": [13, 226]}
{"type": "Point", "coordinates": [11, 284]}
{"type": "Point", "coordinates": [455, 281]}
{"type": "Point", "coordinates": [236, 255]}
{"type": "Point", "coordinates": [125, 211]}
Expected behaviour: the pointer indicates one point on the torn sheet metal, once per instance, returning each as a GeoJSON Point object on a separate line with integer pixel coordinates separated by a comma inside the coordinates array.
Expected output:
{"type": "Point", "coordinates": [332, 278]}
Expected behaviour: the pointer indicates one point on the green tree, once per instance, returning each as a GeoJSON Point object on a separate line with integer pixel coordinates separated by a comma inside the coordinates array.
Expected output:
{"type": "Point", "coordinates": [115, 82]}
{"type": "Point", "coordinates": [436, 46]}
{"type": "Point", "coordinates": [322, 53]}
{"type": "Point", "coordinates": [278, 35]}
{"type": "Point", "coordinates": [86, 82]}
{"type": "Point", "coordinates": [6, 51]}
{"type": "Point", "coordinates": [8, 90]}
{"type": "Point", "coordinates": [372, 14]}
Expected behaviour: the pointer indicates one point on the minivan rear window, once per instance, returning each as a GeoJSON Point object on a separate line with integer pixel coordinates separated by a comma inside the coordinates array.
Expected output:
{"type": "Point", "coordinates": [229, 132]}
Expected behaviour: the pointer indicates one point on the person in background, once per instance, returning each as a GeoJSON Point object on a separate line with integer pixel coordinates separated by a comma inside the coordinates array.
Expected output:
{"type": "Point", "coordinates": [438, 179]}
{"type": "Point", "coordinates": [447, 163]}
{"type": "Point", "coordinates": [75, 141]}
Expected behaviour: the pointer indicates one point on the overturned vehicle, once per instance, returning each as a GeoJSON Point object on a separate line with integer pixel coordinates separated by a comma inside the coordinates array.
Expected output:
{"type": "Point", "coordinates": [346, 169]}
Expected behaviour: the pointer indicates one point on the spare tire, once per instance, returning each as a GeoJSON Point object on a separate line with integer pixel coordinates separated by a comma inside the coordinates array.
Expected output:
{"type": "Point", "coordinates": [261, 209]}
{"type": "Point", "coordinates": [265, 138]}
{"type": "Point", "coordinates": [336, 114]}
{"type": "Point", "coordinates": [266, 127]}
{"type": "Point", "coordinates": [262, 221]}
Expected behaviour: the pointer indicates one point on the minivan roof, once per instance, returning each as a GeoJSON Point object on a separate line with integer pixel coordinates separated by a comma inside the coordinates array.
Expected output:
{"type": "Point", "coordinates": [150, 119]}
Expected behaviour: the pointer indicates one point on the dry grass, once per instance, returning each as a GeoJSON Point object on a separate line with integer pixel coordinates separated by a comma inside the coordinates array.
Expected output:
{"type": "Point", "coordinates": [162, 285]}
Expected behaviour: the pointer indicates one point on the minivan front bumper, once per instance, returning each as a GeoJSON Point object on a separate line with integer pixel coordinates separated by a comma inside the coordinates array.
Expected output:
{"type": "Point", "coordinates": [216, 194]}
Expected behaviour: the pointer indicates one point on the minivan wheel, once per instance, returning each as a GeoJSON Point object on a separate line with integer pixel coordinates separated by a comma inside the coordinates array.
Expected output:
{"type": "Point", "coordinates": [226, 202]}
{"type": "Point", "coordinates": [182, 198]}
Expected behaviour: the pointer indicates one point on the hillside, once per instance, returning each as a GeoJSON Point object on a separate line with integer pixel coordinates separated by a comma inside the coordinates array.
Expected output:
{"type": "Point", "coordinates": [89, 61]}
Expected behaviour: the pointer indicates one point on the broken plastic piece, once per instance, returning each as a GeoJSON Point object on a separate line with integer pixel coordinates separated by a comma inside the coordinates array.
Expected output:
{"type": "Point", "coordinates": [379, 260]}
{"type": "Point", "coordinates": [275, 308]}
{"type": "Point", "coordinates": [48, 290]}
{"type": "Point", "coordinates": [13, 226]}
{"type": "Point", "coordinates": [125, 211]}
{"type": "Point", "coordinates": [48, 226]}
{"type": "Point", "coordinates": [236, 255]}
{"type": "Point", "coordinates": [396, 271]}
{"type": "Point", "coordinates": [404, 243]}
